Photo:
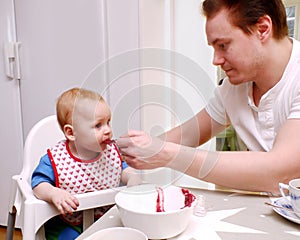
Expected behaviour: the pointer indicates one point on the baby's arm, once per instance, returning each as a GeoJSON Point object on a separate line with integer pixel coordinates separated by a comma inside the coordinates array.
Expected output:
{"type": "Point", "coordinates": [43, 185]}
{"type": "Point", "coordinates": [131, 177]}
{"type": "Point", "coordinates": [62, 200]}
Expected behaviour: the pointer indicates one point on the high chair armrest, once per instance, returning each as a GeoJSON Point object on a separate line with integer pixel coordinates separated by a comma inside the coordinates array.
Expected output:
{"type": "Point", "coordinates": [20, 191]}
{"type": "Point", "coordinates": [89, 201]}
{"type": "Point", "coordinates": [97, 198]}
{"type": "Point", "coordinates": [24, 187]}
{"type": "Point", "coordinates": [40, 211]}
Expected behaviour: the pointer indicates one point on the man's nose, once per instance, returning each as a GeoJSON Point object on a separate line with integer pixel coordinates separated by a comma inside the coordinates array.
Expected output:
{"type": "Point", "coordinates": [218, 59]}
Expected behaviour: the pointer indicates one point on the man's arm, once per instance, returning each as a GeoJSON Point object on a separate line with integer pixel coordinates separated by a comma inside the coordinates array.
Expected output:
{"type": "Point", "coordinates": [255, 171]}
{"type": "Point", "coordinates": [194, 132]}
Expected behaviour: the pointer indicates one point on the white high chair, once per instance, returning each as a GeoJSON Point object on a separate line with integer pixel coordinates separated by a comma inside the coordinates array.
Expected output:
{"type": "Point", "coordinates": [31, 212]}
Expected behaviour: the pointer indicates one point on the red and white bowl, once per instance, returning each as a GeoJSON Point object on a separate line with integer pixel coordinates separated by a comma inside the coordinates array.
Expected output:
{"type": "Point", "coordinates": [138, 208]}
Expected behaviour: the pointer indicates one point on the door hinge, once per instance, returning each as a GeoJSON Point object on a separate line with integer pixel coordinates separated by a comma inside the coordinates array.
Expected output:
{"type": "Point", "coordinates": [12, 60]}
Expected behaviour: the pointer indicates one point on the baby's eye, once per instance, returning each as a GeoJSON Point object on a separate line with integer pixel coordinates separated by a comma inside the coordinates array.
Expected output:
{"type": "Point", "coordinates": [98, 125]}
{"type": "Point", "coordinates": [222, 46]}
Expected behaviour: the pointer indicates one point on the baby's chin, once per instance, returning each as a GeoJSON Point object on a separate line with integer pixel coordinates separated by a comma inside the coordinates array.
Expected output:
{"type": "Point", "coordinates": [103, 146]}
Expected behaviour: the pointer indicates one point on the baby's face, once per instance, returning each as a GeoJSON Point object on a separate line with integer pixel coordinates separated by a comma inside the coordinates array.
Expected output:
{"type": "Point", "coordinates": [91, 126]}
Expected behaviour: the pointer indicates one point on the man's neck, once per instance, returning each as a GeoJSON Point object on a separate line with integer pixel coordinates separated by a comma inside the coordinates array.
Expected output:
{"type": "Point", "coordinates": [274, 68]}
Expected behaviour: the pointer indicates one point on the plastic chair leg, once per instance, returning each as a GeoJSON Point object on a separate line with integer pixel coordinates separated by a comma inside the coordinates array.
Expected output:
{"type": "Point", "coordinates": [11, 224]}
{"type": "Point", "coordinates": [88, 218]}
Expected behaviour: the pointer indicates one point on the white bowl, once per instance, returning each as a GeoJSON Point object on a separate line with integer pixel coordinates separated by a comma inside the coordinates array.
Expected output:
{"type": "Point", "coordinates": [115, 233]}
{"type": "Point", "coordinates": [138, 209]}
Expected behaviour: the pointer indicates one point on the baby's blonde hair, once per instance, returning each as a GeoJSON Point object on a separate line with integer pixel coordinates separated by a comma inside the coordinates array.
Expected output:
{"type": "Point", "coordinates": [66, 103]}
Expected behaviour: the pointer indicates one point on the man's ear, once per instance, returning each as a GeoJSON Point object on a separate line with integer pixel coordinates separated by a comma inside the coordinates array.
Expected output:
{"type": "Point", "coordinates": [68, 131]}
{"type": "Point", "coordinates": [264, 27]}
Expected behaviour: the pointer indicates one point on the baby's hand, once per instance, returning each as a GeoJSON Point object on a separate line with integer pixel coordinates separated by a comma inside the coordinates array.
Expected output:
{"type": "Point", "coordinates": [134, 179]}
{"type": "Point", "coordinates": [64, 201]}
{"type": "Point", "coordinates": [131, 177]}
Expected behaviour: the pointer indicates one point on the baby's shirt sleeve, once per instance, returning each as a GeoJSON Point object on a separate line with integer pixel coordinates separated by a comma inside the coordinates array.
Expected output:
{"type": "Point", "coordinates": [124, 165]}
{"type": "Point", "coordinates": [43, 172]}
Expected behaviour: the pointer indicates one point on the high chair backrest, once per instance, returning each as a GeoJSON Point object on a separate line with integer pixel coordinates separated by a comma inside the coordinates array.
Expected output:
{"type": "Point", "coordinates": [42, 136]}
{"type": "Point", "coordinates": [31, 212]}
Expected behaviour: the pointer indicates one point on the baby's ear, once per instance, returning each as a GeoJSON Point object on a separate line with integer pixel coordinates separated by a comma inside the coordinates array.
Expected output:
{"type": "Point", "coordinates": [68, 131]}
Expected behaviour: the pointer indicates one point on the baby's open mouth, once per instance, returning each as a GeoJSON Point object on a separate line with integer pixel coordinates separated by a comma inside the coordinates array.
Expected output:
{"type": "Point", "coordinates": [109, 141]}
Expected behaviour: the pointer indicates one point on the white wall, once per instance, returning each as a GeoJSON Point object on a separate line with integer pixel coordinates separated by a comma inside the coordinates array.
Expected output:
{"type": "Point", "coordinates": [182, 77]}
{"type": "Point", "coordinates": [176, 30]}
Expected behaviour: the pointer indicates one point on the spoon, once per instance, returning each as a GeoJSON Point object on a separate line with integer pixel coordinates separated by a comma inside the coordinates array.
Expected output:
{"type": "Point", "coordinates": [277, 206]}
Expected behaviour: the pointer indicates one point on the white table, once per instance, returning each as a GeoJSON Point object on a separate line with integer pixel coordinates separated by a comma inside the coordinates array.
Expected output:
{"type": "Point", "coordinates": [230, 216]}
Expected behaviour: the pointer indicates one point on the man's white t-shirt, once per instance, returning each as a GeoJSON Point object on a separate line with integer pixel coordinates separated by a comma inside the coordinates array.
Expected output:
{"type": "Point", "coordinates": [257, 126]}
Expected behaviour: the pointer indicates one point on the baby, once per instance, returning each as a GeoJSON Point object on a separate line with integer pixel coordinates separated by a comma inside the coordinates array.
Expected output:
{"type": "Point", "coordinates": [87, 160]}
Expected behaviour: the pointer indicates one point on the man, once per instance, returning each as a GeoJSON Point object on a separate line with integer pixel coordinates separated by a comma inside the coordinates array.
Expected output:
{"type": "Point", "coordinates": [260, 98]}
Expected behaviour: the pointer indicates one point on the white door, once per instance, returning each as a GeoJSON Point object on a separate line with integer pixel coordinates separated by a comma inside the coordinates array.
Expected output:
{"type": "Point", "coordinates": [61, 41]}
{"type": "Point", "coordinates": [10, 123]}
